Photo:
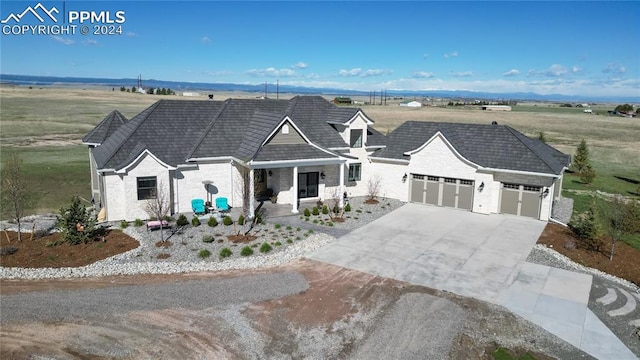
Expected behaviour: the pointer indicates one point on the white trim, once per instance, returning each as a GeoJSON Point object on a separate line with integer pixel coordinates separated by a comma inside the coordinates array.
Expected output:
{"type": "Point", "coordinates": [453, 149]}
{"type": "Point", "coordinates": [398, 161]}
{"type": "Point", "coordinates": [520, 172]}
{"type": "Point", "coordinates": [293, 163]}
{"type": "Point", "coordinates": [215, 158]}
{"type": "Point", "coordinates": [91, 144]}
{"type": "Point", "coordinates": [144, 152]}
{"type": "Point", "coordinates": [359, 112]}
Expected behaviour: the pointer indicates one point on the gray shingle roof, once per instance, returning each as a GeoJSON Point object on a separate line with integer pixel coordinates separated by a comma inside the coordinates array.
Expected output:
{"type": "Point", "coordinates": [283, 152]}
{"type": "Point", "coordinates": [105, 128]}
{"type": "Point", "coordinates": [491, 146]}
{"type": "Point", "coordinates": [177, 130]}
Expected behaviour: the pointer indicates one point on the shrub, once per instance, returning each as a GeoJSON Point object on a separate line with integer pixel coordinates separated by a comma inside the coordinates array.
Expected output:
{"type": "Point", "coordinates": [241, 220]}
{"type": "Point", "coordinates": [588, 174]}
{"type": "Point", "coordinates": [138, 223]}
{"type": "Point", "coordinates": [347, 208]}
{"type": "Point", "coordinates": [278, 243]}
{"type": "Point", "coordinates": [289, 241]}
{"type": "Point", "coordinates": [77, 224]}
{"type": "Point", "coordinates": [195, 221]}
{"type": "Point", "coordinates": [289, 227]}
{"type": "Point", "coordinates": [182, 220]}
{"type": "Point", "coordinates": [325, 209]}
{"type": "Point", "coordinates": [225, 253]}
{"type": "Point", "coordinates": [124, 224]}
{"type": "Point", "coordinates": [203, 254]}
{"type": "Point", "coordinates": [587, 230]}
{"type": "Point", "coordinates": [227, 220]}
{"type": "Point", "coordinates": [336, 209]}
{"type": "Point", "coordinates": [212, 222]}
{"type": "Point", "coordinates": [306, 212]}
{"type": "Point", "coordinates": [277, 226]}
{"type": "Point", "coordinates": [315, 211]}
{"type": "Point", "coordinates": [207, 239]}
{"type": "Point", "coordinates": [246, 251]}
{"type": "Point", "coordinates": [265, 248]}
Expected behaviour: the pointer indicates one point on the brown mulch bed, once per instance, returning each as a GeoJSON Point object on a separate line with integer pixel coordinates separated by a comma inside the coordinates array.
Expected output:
{"type": "Point", "coordinates": [241, 239]}
{"type": "Point", "coordinates": [626, 260]}
{"type": "Point", "coordinates": [36, 253]}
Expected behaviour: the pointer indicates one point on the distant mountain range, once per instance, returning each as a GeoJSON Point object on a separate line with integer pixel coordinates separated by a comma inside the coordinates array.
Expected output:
{"type": "Point", "coordinates": [179, 86]}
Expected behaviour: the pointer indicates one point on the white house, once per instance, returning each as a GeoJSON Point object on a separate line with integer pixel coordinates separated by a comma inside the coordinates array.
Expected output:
{"type": "Point", "coordinates": [308, 149]}
{"type": "Point", "coordinates": [411, 103]}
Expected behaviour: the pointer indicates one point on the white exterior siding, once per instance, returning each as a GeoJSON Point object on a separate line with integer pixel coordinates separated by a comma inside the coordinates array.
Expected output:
{"type": "Point", "coordinates": [190, 186]}
{"type": "Point", "coordinates": [390, 175]}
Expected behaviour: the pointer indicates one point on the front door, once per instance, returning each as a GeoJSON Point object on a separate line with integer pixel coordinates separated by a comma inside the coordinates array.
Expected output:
{"type": "Point", "coordinates": [308, 184]}
{"type": "Point", "coordinates": [259, 182]}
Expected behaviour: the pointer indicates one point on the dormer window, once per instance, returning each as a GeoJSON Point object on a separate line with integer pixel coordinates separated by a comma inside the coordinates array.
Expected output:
{"type": "Point", "coordinates": [285, 129]}
{"type": "Point", "coordinates": [356, 138]}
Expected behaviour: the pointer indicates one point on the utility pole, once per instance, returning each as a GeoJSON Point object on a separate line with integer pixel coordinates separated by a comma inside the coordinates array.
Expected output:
{"type": "Point", "coordinates": [265, 89]}
{"type": "Point", "coordinates": [374, 98]}
{"type": "Point", "coordinates": [277, 89]}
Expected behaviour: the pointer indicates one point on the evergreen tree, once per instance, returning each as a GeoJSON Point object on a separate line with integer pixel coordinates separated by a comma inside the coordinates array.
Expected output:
{"type": "Point", "coordinates": [581, 158]}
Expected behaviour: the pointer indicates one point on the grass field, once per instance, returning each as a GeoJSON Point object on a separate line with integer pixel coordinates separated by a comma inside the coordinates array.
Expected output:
{"type": "Point", "coordinates": [45, 125]}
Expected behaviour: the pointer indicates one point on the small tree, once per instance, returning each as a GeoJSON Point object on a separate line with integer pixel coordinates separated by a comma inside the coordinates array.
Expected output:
{"type": "Point", "coordinates": [373, 187]}
{"type": "Point", "coordinates": [76, 223]}
{"type": "Point", "coordinates": [542, 137]}
{"type": "Point", "coordinates": [620, 218]}
{"type": "Point", "coordinates": [15, 195]}
{"type": "Point", "coordinates": [588, 174]}
{"type": "Point", "coordinates": [158, 207]}
{"type": "Point", "coordinates": [581, 158]}
{"type": "Point", "coordinates": [586, 228]}
{"type": "Point", "coordinates": [624, 108]}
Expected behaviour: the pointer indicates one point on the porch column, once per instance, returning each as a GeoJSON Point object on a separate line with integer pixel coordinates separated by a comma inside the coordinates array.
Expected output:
{"type": "Point", "coordinates": [294, 195]}
{"type": "Point", "coordinates": [341, 186]}
{"type": "Point", "coordinates": [252, 209]}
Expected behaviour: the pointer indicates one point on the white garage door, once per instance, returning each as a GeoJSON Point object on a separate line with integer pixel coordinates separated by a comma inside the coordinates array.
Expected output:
{"type": "Point", "coordinates": [521, 200]}
{"type": "Point", "coordinates": [441, 191]}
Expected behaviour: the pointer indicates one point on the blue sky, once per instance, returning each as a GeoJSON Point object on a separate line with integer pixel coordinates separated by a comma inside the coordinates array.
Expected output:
{"type": "Point", "coordinates": [571, 48]}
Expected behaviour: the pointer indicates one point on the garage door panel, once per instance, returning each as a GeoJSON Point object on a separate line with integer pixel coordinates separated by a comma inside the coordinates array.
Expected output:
{"type": "Point", "coordinates": [530, 205]}
{"type": "Point", "coordinates": [509, 202]}
{"type": "Point", "coordinates": [417, 190]}
{"type": "Point", "coordinates": [433, 193]}
{"type": "Point", "coordinates": [465, 197]}
{"type": "Point", "coordinates": [449, 195]}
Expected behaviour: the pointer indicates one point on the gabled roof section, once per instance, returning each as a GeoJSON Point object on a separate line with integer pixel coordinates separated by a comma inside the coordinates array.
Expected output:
{"type": "Point", "coordinates": [168, 129]}
{"type": "Point", "coordinates": [105, 128]}
{"type": "Point", "coordinates": [261, 126]}
{"type": "Point", "coordinates": [290, 152]}
{"type": "Point", "coordinates": [310, 114]}
{"type": "Point", "coordinates": [375, 138]}
{"type": "Point", "coordinates": [489, 146]}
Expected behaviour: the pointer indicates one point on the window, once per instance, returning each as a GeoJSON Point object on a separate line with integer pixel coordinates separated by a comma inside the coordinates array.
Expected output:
{"type": "Point", "coordinates": [466, 182]}
{"type": "Point", "coordinates": [147, 187]}
{"type": "Point", "coordinates": [356, 138]}
{"type": "Point", "coordinates": [532, 188]}
{"type": "Point", "coordinates": [511, 186]}
{"type": "Point", "coordinates": [285, 129]}
{"type": "Point", "coordinates": [433, 178]}
{"type": "Point", "coordinates": [417, 177]}
{"type": "Point", "coordinates": [354, 172]}
{"type": "Point", "coordinates": [450, 180]}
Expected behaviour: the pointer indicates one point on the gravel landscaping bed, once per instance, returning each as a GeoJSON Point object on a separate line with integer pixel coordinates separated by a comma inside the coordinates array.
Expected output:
{"type": "Point", "coordinates": [289, 237]}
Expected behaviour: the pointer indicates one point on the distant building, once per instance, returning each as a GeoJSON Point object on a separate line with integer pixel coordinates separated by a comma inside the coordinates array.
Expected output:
{"type": "Point", "coordinates": [411, 103]}
{"type": "Point", "coordinates": [342, 100]}
{"type": "Point", "coordinates": [496, 107]}
{"type": "Point", "coordinates": [190, 93]}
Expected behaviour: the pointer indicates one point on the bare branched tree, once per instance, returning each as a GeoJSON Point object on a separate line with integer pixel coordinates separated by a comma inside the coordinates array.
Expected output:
{"type": "Point", "coordinates": [621, 217]}
{"type": "Point", "coordinates": [336, 197]}
{"type": "Point", "coordinates": [158, 207]}
{"type": "Point", "coordinates": [15, 195]}
{"type": "Point", "coordinates": [374, 185]}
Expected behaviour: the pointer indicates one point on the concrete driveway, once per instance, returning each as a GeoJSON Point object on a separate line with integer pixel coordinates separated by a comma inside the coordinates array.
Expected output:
{"type": "Point", "coordinates": [466, 253]}
{"type": "Point", "coordinates": [478, 256]}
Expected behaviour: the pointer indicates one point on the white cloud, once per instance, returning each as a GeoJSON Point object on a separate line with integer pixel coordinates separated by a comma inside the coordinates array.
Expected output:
{"type": "Point", "coordinates": [352, 72]}
{"type": "Point", "coordinates": [512, 72]}
{"type": "Point", "coordinates": [271, 72]}
{"type": "Point", "coordinates": [463, 74]}
{"type": "Point", "coordinates": [451, 54]}
{"type": "Point", "coordinates": [131, 34]}
{"type": "Point", "coordinates": [299, 65]}
{"type": "Point", "coordinates": [422, 75]}
{"type": "Point", "coordinates": [614, 68]}
{"type": "Point", "coordinates": [65, 41]}
{"type": "Point", "coordinates": [555, 70]}
{"type": "Point", "coordinates": [90, 42]}
{"type": "Point", "coordinates": [364, 73]}
{"type": "Point", "coordinates": [205, 40]}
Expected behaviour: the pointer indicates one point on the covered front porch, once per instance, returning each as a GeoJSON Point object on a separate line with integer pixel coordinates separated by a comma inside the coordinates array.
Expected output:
{"type": "Point", "coordinates": [293, 182]}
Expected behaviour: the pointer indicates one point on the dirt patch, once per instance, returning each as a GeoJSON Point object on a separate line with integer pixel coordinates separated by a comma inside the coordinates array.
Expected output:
{"type": "Point", "coordinates": [164, 244]}
{"type": "Point", "coordinates": [241, 239]}
{"type": "Point", "coordinates": [625, 259]}
{"type": "Point", "coordinates": [37, 254]}
{"type": "Point", "coordinates": [371, 201]}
